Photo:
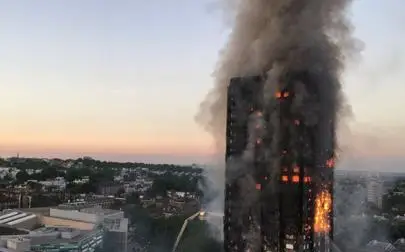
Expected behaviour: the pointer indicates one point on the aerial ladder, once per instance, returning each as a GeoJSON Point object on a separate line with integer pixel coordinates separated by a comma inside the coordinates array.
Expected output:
{"type": "Point", "coordinates": [202, 215]}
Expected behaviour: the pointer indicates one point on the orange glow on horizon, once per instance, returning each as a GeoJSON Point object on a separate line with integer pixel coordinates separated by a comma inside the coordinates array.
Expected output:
{"type": "Point", "coordinates": [197, 145]}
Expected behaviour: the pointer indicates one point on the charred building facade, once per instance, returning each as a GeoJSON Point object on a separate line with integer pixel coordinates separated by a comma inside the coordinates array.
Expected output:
{"type": "Point", "coordinates": [243, 166]}
{"type": "Point", "coordinates": [279, 183]}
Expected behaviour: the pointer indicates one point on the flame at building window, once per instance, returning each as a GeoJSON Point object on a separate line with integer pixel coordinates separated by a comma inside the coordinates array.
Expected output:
{"type": "Point", "coordinates": [323, 206]}
{"type": "Point", "coordinates": [330, 163]}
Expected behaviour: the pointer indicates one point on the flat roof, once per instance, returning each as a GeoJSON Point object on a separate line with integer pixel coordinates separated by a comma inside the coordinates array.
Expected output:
{"type": "Point", "coordinates": [82, 234]}
{"type": "Point", "coordinates": [116, 224]}
{"type": "Point", "coordinates": [7, 230]}
{"type": "Point", "coordinates": [14, 217]}
{"type": "Point", "coordinates": [96, 210]}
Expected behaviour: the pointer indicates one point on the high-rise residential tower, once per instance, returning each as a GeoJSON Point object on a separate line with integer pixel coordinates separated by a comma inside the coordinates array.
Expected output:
{"type": "Point", "coordinates": [279, 174]}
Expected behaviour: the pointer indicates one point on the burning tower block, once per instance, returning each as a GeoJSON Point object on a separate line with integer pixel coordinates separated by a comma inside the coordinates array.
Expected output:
{"type": "Point", "coordinates": [242, 215]}
{"type": "Point", "coordinates": [293, 204]}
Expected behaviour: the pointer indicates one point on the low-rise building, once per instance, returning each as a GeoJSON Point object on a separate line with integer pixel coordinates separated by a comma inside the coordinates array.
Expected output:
{"type": "Point", "coordinates": [109, 188]}
{"type": "Point", "coordinates": [18, 219]}
{"type": "Point", "coordinates": [115, 235]}
{"type": "Point", "coordinates": [63, 229]}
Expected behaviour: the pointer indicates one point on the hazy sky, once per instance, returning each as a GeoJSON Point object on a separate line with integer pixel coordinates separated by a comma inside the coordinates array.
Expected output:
{"type": "Point", "coordinates": [123, 79]}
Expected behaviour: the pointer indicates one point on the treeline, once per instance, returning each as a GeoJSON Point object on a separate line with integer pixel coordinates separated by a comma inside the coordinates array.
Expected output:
{"type": "Point", "coordinates": [168, 182]}
{"type": "Point", "coordinates": [98, 172]}
{"type": "Point", "coordinates": [48, 172]}
{"type": "Point", "coordinates": [88, 162]}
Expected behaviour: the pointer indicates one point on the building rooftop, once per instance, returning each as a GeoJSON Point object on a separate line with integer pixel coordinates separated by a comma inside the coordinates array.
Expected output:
{"type": "Point", "coordinates": [98, 211]}
{"type": "Point", "coordinates": [6, 230]}
{"type": "Point", "coordinates": [13, 217]}
{"type": "Point", "coordinates": [74, 235]}
{"type": "Point", "coordinates": [120, 225]}
{"type": "Point", "coordinates": [88, 203]}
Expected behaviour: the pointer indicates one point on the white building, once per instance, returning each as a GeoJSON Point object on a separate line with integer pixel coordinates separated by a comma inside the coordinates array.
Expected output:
{"type": "Point", "coordinates": [82, 180]}
{"type": "Point", "coordinates": [375, 190]}
{"type": "Point", "coordinates": [90, 215]}
{"type": "Point", "coordinates": [18, 219]}
{"type": "Point", "coordinates": [58, 182]}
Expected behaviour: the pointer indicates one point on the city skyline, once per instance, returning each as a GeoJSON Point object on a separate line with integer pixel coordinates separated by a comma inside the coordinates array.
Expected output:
{"type": "Point", "coordinates": [124, 80]}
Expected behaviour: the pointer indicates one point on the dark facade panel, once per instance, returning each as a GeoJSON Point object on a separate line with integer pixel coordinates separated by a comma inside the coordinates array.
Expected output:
{"type": "Point", "coordinates": [244, 99]}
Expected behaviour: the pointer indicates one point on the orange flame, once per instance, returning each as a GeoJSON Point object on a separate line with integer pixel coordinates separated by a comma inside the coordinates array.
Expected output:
{"type": "Point", "coordinates": [330, 163]}
{"type": "Point", "coordinates": [307, 179]}
{"type": "Point", "coordinates": [296, 179]}
{"type": "Point", "coordinates": [284, 178]}
{"type": "Point", "coordinates": [323, 206]}
{"type": "Point", "coordinates": [278, 95]}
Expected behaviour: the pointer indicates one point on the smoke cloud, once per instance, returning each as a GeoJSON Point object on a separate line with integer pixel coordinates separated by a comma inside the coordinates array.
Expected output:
{"type": "Point", "coordinates": [280, 38]}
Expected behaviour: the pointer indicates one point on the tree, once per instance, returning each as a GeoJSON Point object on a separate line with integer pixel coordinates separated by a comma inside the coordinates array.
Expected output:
{"type": "Point", "coordinates": [3, 162]}
{"type": "Point", "coordinates": [50, 172]}
{"type": "Point", "coordinates": [133, 198]}
{"type": "Point", "coordinates": [397, 231]}
{"type": "Point", "coordinates": [120, 192]}
{"type": "Point", "coordinates": [22, 176]}
{"type": "Point", "coordinates": [8, 177]}
{"type": "Point", "coordinates": [34, 186]}
{"type": "Point", "coordinates": [177, 183]}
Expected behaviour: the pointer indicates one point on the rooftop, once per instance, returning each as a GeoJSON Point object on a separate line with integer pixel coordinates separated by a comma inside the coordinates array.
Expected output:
{"type": "Point", "coordinates": [6, 230]}
{"type": "Point", "coordinates": [94, 202]}
{"type": "Point", "coordinates": [99, 211]}
{"type": "Point", "coordinates": [13, 217]}
{"type": "Point", "coordinates": [116, 224]}
{"type": "Point", "coordinates": [74, 235]}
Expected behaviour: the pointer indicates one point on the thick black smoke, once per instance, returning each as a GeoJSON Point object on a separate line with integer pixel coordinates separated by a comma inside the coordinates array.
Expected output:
{"type": "Point", "coordinates": [312, 35]}
{"type": "Point", "coordinates": [279, 38]}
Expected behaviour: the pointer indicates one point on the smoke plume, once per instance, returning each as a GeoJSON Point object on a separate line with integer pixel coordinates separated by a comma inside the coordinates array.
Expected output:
{"type": "Point", "coordinates": [278, 38]}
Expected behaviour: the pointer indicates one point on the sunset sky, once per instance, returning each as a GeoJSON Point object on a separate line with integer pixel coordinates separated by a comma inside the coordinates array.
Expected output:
{"type": "Point", "coordinates": [123, 79]}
